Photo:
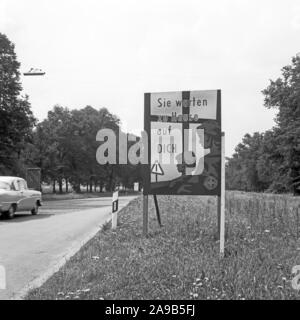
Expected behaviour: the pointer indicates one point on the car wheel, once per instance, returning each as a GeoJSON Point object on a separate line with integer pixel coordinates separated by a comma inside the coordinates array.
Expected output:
{"type": "Point", "coordinates": [35, 210]}
{"type": "Point", "coordinates": [10, 214]}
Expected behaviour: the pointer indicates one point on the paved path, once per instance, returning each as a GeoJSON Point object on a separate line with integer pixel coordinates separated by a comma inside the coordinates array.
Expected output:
{"type": "Point", "coordinates": [31, 247]}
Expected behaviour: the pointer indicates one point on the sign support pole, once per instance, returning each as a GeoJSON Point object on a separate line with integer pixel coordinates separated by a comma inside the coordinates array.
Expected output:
{"type": "Point", "coordinates": [145, 215]}
{"type": "Point", "coordinates": [157, 210]}
{"type": "Point", "coordinates": [221, 200]}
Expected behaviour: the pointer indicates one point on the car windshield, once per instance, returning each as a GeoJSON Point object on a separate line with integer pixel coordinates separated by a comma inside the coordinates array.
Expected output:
{"type": "Point", "coordinates": [4, 185]}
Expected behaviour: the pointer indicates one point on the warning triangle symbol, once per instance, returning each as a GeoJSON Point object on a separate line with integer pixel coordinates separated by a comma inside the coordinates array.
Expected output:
{"type": "Point", "coordinates": [157, 169]}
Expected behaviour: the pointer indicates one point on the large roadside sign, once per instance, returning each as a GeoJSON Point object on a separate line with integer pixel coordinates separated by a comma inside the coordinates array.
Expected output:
{"type": "Point", "coordinates": [184, 143]}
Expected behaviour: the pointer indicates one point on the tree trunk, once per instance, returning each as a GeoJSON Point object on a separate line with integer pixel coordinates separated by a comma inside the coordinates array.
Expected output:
{"type": "Point", "coordinates": [60, 184]}
{"type": "Point", "coordinates": [54, 187]}
{"type": "Point", "coordinates": [77, 187]}
{"type": "Point", "coordinates": [67, 186]}
{"type": "Point", "coordinates": [111, 187]}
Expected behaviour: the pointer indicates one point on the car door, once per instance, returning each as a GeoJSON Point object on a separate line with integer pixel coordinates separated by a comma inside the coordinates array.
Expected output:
{"type": "Point", "coordinates": [26, 201]}
{"type": "Point", "coordinates": [15, 194]}
{"type": "Point", "coordinates": [10, 196]}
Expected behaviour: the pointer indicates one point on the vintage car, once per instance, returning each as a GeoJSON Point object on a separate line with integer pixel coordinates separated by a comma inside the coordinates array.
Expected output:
{"type": "Point", "coordinates": [15, 196]}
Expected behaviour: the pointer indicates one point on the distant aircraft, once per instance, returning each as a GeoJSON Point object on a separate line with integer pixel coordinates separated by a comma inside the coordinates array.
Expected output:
{"type": "Point", "coordinates": [34, 72]}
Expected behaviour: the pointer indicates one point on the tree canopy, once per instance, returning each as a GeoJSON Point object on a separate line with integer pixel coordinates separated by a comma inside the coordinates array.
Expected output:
{"type": "Point", "coordinates": [63, 145]}
{"type": "Point", "coordinates": [271, 160]}
{"type": "Point", "coordinates": [16, 118]}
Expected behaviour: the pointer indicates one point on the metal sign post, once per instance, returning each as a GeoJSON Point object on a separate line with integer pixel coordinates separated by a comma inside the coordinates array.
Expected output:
{"type": "Point", "coordinates": [145, 215]}
{"type": "Point", "coordinates": [221, 202]}
{"type": "Point", "coordinates": [157, 210]}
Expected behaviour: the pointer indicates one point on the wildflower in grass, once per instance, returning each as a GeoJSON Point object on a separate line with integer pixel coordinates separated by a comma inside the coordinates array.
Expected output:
{"type": "Point", "coordinates": [96, 258]}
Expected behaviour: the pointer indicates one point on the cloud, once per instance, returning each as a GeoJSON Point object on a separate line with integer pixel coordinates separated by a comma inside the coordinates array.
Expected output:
{"type": "Point", "coordinates": [108, 53]}
{"type": "Point", "coordinates": [5, 20]}
{"type": "Point", "coordinates": [295, 22]}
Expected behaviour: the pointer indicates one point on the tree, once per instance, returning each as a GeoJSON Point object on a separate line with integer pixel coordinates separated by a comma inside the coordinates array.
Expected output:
{"type": "Point", "coordinates": [242, 172]}
{"type": "Point", "coordinates": [284, 95]}
{"type": "Point", "coordinates": [271, 161]}
{"type": "Point", "coordinates": [66, 147]}
{"type": "Point", "coordinates": [16, 118]}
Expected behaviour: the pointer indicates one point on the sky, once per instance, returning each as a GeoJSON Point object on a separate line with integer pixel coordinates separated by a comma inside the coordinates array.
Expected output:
{"type": "Point", "coordinates": [108, 53]}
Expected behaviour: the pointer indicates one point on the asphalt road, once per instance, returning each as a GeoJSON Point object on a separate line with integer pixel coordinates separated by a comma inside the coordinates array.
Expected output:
{"type": "Point", "coordinates": [32, 246]}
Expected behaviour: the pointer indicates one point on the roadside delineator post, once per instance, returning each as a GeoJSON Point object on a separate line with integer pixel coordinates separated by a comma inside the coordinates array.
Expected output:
{"type": "Point", "coordinates": [136, 187]}
{"type": "Point", "coordinates": [115, 208]}
{"type": "Point", "coordinates": [2, 278]}
{"type": "Point", "coordinates": [221, 200]}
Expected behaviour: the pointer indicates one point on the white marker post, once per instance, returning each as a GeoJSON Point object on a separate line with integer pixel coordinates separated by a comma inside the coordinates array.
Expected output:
{"type": "Point", "coordinates": [115, 208]}
{"type": "Point", "coordinates": [222, 198]}
{"type": "Point", "coordinates": [2, 278]}
{"type": "Point", "coordinates": [136, 187]}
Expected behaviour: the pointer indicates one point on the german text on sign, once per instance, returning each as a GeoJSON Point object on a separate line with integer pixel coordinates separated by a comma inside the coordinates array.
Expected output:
{"type": "Point", "coordinates": [184, 130]}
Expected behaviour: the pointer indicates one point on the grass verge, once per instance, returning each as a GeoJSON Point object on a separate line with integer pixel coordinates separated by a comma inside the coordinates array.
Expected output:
{"type": "Point", "coordinates": [83, 195]}
{"type": "Point", "coordinates": [181, 260]}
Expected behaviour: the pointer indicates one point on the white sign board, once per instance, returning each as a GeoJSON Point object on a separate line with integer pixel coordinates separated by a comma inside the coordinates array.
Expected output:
{"type": "Point", "coordinates": [185, 142]}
